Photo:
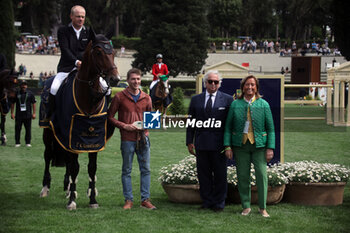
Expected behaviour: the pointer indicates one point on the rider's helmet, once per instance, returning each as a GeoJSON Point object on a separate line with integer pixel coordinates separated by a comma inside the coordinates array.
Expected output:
{"type": "Point", "coordinates": [159, 56]}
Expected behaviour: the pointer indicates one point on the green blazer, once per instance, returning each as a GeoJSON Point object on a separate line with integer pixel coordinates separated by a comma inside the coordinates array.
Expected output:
{"type": "Point", "coordinates": [262, 122]}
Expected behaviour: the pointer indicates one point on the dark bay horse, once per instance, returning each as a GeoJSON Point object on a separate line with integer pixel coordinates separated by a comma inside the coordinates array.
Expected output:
{"type": "Point", "coordinates": [77, 132]}
{"type": "Point", "coordinates": [161, 98]}
{"type": "Point", "coordinates": [8, 82]}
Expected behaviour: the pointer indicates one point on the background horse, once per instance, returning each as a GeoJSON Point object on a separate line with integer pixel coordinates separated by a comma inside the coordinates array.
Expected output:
{"type": "Point", "coordinates": [161, 98]}
{"type": "Point", "coordinates": [89, 98]}
{"type": "Point", "coordinates": [8, 82]}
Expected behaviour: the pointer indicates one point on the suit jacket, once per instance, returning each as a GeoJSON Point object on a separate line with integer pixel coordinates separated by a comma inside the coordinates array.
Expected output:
{"type": "Point", "coordinates": [210, 139]}
{"type": "Point", "coordinates": [155, 70]}
{"type": "Point", "coordinates": [72, 49]}
{"type": "Point", "coordinates": [262, 122]}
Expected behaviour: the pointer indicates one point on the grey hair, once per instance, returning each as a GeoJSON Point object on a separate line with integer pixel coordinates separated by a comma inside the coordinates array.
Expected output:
{"type": "Point", "coordinates": [72, 11]}
{"type": "Point", "coordinates": [205, 78]}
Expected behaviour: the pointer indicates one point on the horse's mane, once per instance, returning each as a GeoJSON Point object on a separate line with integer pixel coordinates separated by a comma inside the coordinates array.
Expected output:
{"type": "Point", "coordinates": [87, 52]}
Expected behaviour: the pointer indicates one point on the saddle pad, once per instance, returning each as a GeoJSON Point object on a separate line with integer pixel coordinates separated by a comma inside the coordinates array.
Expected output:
{"type": "Point", "coordinates": [75, 131]}
{"type": "Point", "coordinates": [88, 133]}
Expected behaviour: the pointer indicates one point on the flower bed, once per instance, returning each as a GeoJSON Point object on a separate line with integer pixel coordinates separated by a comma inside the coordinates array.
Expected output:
{"type": "Point", "coordinates": [313, 172]}
{"type": "Point", "coordinates": [184, 172]}
{"type": "Point", "coordinates": [313, 183]}
{"type": "Point", "coordinates": [294, 175]}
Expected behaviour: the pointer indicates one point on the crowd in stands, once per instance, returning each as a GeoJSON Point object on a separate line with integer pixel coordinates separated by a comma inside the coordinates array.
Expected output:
{"type": "Point", "coordinates": [249, 45]}
{"type": "Point", "coordinates": [22, 71]}
{"type": "Point", "coordinates": [37, 44]}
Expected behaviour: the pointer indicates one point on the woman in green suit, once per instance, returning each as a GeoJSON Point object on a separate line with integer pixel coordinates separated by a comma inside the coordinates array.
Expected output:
{"type": "Point", "coordinates": [250, 136]}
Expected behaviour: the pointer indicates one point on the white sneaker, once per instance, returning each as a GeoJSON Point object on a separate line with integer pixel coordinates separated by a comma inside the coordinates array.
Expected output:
{"type": "Point", "coordinates": [17, 145]}
{"type": "Point", "coordinates": [28, 145]}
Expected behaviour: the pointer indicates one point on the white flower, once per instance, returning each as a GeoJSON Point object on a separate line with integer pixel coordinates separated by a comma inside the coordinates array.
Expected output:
{"type": "Point", "coordinates": [313, 172]}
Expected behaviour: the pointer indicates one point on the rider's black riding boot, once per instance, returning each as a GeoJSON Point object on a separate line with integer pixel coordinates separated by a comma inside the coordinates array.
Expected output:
{"type": "Point", "coordinates": [52, 106]}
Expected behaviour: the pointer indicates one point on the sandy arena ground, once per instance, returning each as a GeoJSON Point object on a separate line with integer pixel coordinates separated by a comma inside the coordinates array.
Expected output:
{"type": "Point", "coordinates": [258, 62]}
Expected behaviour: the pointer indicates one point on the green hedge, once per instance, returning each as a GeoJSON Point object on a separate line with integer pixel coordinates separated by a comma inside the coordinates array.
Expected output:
{"type": "Point", "coordinates": [127, 42]}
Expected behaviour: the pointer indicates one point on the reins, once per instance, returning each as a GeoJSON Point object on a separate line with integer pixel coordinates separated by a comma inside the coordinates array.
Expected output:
{"type": "Point", "coordinates": [107, 48]}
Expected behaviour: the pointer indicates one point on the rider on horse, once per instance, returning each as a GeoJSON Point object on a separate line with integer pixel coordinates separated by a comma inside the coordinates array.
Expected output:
{"type": "Point", "coordinates": [160, 71]}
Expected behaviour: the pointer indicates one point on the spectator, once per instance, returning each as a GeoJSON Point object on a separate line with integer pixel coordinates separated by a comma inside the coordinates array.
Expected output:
{"type": "Point", "coordinates": [213, 47]}
{"type": "Point", "coordinates": [130, 104]}
{"type": "Point", "coordinates": [235, 44]}
{"type": "Point", "coordinates": [250, 135]}
{"type": "Point", "coordinates": [25, 112]}
{"type": "Point", "coordinates": [282, 70]}
{"type": "Point", "coordinates": [207, 143]}
{"type": "Point", "coordinates": [122, 51]}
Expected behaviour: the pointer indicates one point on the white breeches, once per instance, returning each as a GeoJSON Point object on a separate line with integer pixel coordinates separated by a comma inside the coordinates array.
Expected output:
{"type": "Point", "coordinates": [57, 81]}
{"type": "Point", "coordinates": [153, 83]}
{"type": "Point", "coordinates": [61, 76]}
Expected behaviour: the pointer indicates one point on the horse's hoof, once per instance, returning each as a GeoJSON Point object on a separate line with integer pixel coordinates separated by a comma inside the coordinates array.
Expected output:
{"type": "Point", "coordinates": [44, 191]}
{"type": "Point", "coordinates": [93, 206]}
{"type": "Point", "coordinates": [72, 206]}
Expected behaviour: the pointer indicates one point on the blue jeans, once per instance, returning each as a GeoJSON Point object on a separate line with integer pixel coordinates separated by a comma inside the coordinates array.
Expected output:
{"type": "Point", "coordinates": [128, 149]}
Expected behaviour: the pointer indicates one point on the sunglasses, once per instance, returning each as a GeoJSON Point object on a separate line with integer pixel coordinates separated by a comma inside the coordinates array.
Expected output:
{"type": "Point", "coordinates": [213, 81]}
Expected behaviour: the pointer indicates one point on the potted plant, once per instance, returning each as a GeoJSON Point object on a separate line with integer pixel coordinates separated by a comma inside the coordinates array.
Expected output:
{"type": "Point", "coordinates": [276, 181]}
{"type": "Point", "coordinates": [313, 183]}
{"type": "Point", "coordinates": [180, 181]}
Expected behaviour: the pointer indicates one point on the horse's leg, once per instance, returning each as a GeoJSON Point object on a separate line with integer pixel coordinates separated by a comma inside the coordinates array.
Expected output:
{"type": "Point", "coordinates": [66, 175]}
{"type": "Point", "coordinates": [73, 167]}
{"type": "Point", "coordinates": [92, 191]}
{"type": "Point", "coordinates": [3, 133]}
{"type": "Point", "coordinates": [47, 138]}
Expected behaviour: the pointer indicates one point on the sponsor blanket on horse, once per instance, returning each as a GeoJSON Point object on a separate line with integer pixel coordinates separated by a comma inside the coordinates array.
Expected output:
{"type": "Point", "coordinates": [44, 104]}
{"type": "Point", "coordinates": [74, 130]}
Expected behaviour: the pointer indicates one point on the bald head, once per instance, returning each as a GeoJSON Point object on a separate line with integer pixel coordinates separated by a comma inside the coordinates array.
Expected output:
{"type": "Point", "coordinates": [77, 15]}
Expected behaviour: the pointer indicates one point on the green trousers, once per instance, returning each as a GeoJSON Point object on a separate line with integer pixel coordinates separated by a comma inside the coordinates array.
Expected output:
{"type": "Point", "coordinates": [244, 156]}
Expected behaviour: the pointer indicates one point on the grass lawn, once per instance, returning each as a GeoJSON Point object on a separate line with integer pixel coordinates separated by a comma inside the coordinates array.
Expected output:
{"type": "Point", "coordinates": [21, 171]}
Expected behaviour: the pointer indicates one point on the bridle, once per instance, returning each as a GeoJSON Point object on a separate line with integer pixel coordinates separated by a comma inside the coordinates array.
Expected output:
{"type": "Point", "coordinates": [108, 49]}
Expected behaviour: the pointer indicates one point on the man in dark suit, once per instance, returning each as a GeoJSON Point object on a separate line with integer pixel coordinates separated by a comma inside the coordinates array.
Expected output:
{"type": "Point", "coordinates": [206, 143]}
{"type": "Point", "coordinates": [73, 40]}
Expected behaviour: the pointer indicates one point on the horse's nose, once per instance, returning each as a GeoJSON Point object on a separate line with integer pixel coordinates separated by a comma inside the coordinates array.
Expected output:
{"type": "Point", "coordinates": [114, 80]}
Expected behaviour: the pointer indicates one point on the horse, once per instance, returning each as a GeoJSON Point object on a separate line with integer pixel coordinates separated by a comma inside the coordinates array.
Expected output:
{"type": "Point", "coordinates": [161, 98]}
{"type": "Point", "coordinates": [88, 98]}
{"type": "Point", "coordinates": [8, 82]}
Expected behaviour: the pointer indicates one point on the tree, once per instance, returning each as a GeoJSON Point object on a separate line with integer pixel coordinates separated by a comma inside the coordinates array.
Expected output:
{"type": "Point", "coordinates": [176, 29]}
{"type": "Point", "coordinates": [178, 107]}
{"type": "Point", "coordinates": [37, 16]}
{"type": "Point", "coordinates": [341, 26]}
{"type": "Point", "coordinates": [7, 40]}
{"type": "Point", "coordinates": [224, 17]}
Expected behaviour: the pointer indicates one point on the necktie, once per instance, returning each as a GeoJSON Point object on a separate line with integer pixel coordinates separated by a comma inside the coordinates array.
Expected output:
{"type": "Point", "coordinates": [209, 105]}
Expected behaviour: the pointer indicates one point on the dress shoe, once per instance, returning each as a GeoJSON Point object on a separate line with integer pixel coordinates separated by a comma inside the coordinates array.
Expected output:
{"type": "Point", "coordinates": [217, 209]}
{"type": "Point", "coordinates": [203, 207]}
{"type": "Point", "coordinates": [264, 213]}
{"type": "Point", "coordinates": [148, 205]}
{"type": "Point", "coordinates": [246, 211]}
{"type": "Point", "coordinates": [128, 204]}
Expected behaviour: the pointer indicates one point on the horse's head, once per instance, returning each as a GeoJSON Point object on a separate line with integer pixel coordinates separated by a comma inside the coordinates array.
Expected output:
{"type": "Point", "coordinates": [8, 80]}
{"type": "Point", "coordinates": [102, 54]}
